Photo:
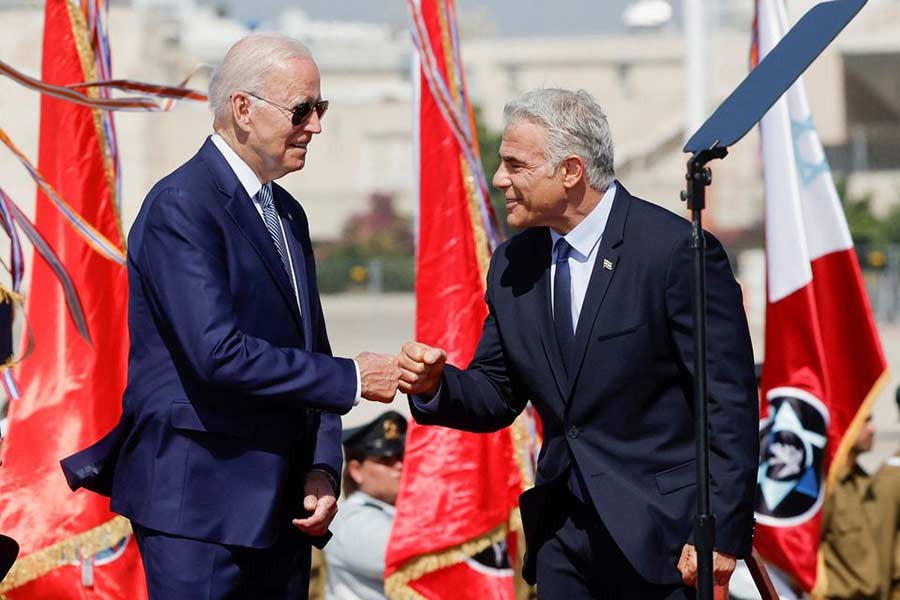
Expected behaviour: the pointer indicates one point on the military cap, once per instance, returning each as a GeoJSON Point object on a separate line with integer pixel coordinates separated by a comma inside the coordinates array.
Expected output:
{"type": "Point", "coordinates": [383, 436]}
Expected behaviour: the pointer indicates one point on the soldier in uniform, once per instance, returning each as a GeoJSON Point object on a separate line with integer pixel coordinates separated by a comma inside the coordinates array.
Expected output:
{"type": "Point", "coordinates": [355, 555]}
{"type": "Point", "coordinates": [852, 564]}
{"type": "Point", "coordinates": [886, 517]}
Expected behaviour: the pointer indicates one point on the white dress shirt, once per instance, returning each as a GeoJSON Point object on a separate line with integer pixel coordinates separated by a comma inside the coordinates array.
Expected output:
{"type": "Point", "coordinates": [252, 185]}
{"type": "Point", "coordinates": [585, 240]}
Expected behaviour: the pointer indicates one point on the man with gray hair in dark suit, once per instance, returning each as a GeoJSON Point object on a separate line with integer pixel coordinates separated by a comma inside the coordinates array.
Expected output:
{"type": "Point", "coordinates": [589, 318]}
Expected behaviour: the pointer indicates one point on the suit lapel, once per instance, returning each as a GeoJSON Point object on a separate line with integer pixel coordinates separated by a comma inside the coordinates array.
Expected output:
{"type": "Point", "coordinates": [295, 242]}
{"type": "Point", "coordinates": [602, 274]}
{"type": "Point", "coordinates": [540, 308]}
{"type": "Point", "coordinates": [240, 208]}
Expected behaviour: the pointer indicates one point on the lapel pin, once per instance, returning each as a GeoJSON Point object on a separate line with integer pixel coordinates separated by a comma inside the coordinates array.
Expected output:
{"type": "Point", "coordinates": [607, 264]}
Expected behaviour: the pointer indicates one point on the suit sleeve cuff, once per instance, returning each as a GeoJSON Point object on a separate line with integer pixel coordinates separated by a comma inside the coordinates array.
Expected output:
{"type": "Point", "coordinates": [428, 404]}
{"type": "Point", "coordinates": [322, 468]}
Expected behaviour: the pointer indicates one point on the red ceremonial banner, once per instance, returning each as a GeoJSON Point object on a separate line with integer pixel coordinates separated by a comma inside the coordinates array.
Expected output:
{"type": "Point", "coordinates": [457, 508]}
{"type": "Point", "coordinates": [72, 546]}
{"type": "Point", "coordinates": [823, 359]}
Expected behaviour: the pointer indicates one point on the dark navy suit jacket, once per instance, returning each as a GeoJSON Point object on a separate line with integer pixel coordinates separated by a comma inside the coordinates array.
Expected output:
{"type": "Point", "coordinates": [232, 395]}
{"type": "Point", "coordinates": [625, 417]}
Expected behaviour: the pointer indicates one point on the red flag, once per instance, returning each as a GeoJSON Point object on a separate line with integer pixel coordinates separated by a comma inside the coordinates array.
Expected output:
{"type": "Point", "coordinates": [457, 504]}
{"type": "Point", "coordinates": [71, 385]}
{"type": "Point", "coordinates": [824, 363]}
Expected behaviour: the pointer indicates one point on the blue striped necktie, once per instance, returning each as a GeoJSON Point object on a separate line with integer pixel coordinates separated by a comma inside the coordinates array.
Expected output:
{"type": "Point", "coordinates": [273, 224]}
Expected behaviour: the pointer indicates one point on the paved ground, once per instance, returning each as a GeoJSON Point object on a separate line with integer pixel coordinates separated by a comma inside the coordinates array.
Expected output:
{"type": "Point", "coordinates": [381, 323]}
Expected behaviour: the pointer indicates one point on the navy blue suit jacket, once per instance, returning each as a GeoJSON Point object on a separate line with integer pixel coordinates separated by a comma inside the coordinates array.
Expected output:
{"type": "Point", "coordinates": [625, 417]}
{"type": "Point", "coordinates": [232, 395]}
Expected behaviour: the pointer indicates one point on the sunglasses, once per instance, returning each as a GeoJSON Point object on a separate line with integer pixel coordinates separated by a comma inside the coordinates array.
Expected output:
{"type": "Point", "coordinates": [301, 111]}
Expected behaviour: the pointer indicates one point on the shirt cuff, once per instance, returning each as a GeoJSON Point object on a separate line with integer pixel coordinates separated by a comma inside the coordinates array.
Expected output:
{"type": "Point", "coordinates": [359, 397]}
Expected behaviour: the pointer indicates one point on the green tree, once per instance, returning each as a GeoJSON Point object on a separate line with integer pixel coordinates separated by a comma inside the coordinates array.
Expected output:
{"type": "Point", "coordinates": [890, 225]}
{"type": "Point", "coordinates": [865, 228]}
{"type": "Point", "coordinates": [376, 245]}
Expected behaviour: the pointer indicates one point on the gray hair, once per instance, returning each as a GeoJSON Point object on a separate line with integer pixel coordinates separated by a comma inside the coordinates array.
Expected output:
{"type": "Point", "coordinates": [246, 66]}
{"type": "Point", "coordinates": [574, 124]}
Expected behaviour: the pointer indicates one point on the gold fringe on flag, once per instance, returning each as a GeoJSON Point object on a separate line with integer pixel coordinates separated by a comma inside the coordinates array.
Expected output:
{"type": "Point", "coordinates": [480, 239]}
{"type": "Point", "coordinates": [520, 439]}
{"type": "Point", "coordinates": [39, 563]}
{"type": "Point", "coordinates": [852, 433]}
{"type": "Point", "coordinates": [88, 60]}
{"type": "Point", "coordinates": [7, 296]}
{"type": "Point", "coordinates": [396, 587]}
{"type": "Point", "coordinates": [10, 296]}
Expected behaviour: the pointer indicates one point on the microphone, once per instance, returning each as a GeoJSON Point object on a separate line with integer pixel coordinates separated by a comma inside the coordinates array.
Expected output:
{"type": "Point", "coordinates": [9, 550]}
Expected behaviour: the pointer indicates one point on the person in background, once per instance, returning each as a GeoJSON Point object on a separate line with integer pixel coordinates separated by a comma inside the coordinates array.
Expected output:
{"type": "Point", "coordinates": [847, 544]}
{"type": "Point", "coordinates": [371, 481]}
{"type": "Point", "coordinates": [886, 518]}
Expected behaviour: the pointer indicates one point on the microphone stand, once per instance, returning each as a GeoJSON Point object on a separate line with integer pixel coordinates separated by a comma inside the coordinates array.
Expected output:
{"type": "Point", "coordinates": [699, 176]}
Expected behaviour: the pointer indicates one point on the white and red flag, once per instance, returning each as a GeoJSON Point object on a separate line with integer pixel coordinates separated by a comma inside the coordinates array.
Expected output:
{"type": "Point", "coordinates": [823, 358]}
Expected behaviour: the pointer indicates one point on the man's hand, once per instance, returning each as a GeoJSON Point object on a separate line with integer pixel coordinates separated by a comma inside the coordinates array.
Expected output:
{"type": "Point", "coordinates": [421, 368]}
{"type": "Point", "coordinates": [319, 499]}
{"type": "Point", "coordinates": [723, 566]}
{"type": "Point", "coordinates": [378, 374]}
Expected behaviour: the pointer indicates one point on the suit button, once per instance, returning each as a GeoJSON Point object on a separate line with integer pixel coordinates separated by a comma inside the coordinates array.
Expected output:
{"type": "Point", "coordinates": [573, 432]}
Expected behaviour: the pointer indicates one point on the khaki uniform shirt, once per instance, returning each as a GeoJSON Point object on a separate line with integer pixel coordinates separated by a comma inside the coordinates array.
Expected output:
{"type": "Point", "coordinates": [885, 518]}
{"type": "Point", "coordinates": [848, 539]}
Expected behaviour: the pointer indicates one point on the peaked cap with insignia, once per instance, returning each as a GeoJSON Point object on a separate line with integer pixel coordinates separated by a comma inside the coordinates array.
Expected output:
{"type": "Point", "coordinates": [384, 436]}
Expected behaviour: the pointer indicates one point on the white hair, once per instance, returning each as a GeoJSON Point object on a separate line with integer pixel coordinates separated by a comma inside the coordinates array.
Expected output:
{"type": "Point", "coordinates": [574, 124]}
{"type": "Point", "coordinates": [247, 65]}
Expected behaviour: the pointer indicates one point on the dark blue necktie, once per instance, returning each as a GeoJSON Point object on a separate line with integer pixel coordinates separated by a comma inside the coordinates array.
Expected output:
{"type": "Point", "coordinates": [562, 302]}
{"type": "Point", "coordinates": [565, 335]}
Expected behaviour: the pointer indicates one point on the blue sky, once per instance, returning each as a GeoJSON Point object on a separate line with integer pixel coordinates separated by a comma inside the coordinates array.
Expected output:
{"type": "Point", "coordinates": [509, 17]}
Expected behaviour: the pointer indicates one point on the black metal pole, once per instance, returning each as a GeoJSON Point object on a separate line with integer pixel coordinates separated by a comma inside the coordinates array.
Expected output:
{"type": "Point", "coordinates": [698, 177]}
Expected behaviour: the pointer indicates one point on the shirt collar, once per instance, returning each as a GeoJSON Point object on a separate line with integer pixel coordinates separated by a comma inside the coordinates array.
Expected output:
{"type": "Point", "coordinates": [241, 169]}
{"type": "Point", "coordinates": [587, 234]}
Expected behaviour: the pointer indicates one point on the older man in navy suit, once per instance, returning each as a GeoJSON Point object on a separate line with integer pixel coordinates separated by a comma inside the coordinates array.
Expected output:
{"type": "Point", "coordinates": [590, 319]}
{"type": "Point", "coordinates": [228, 452]}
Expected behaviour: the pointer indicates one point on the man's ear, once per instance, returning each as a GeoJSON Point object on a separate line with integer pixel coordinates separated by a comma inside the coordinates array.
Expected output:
{"type": "Point", "coordinates": [354, 469]}
{"type": "Point", "coordinates": [573, 171]}
{"type": "Point", "coordinates": [241, 106]}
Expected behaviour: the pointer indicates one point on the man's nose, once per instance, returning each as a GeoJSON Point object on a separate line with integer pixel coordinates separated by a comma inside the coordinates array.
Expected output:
{"type": "Point", "coordinates": [500, 179]}
{"type": "Point", "coordinates": [313, 123]}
